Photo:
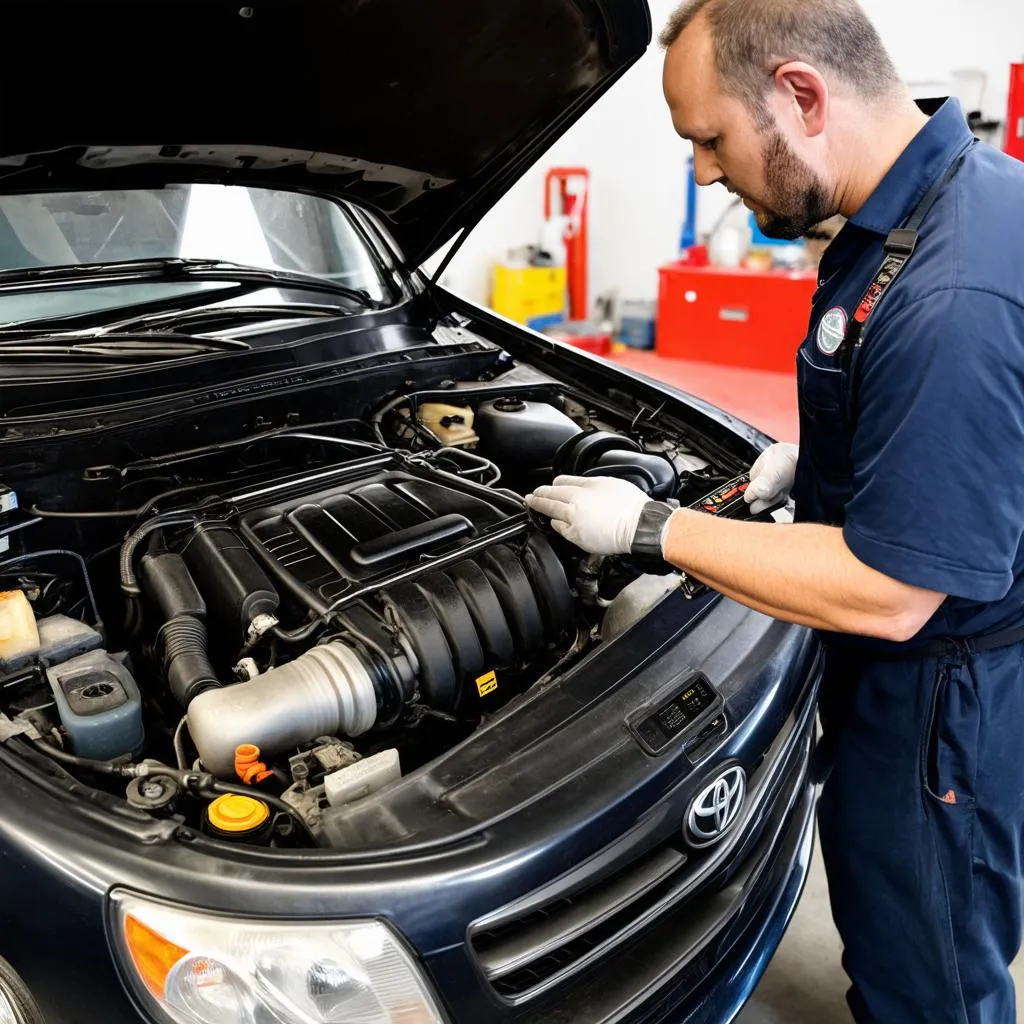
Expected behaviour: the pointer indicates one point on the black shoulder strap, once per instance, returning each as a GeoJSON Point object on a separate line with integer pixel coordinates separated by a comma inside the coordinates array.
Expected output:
{"type": "Point", "coordinates": [899, 248]}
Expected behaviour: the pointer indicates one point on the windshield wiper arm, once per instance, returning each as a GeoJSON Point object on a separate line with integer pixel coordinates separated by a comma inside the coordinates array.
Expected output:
{"type": "Point", "coordinates": [122, 347]}
{"type": "Point", "coordinates": [174, 269]}
{"type": "Point", "coordinates": [150, 324]}
{"type": "Point", "coordinates": [185, 317]}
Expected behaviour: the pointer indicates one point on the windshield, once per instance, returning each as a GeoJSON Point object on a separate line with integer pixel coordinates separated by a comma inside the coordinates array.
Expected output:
{"type": "Point", "coordinates": [273, 230]}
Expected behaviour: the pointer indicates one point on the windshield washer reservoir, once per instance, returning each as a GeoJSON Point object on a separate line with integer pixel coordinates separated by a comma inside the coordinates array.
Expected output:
{"type": "Point", "coordinates": [99, 705]}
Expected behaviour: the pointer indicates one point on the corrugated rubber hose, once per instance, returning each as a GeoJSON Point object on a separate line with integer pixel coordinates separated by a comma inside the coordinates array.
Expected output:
{"type": "Point", "coordinates": [189, 672]}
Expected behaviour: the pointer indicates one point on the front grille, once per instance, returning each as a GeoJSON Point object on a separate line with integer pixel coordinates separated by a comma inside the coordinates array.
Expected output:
{"type": "Point", "coordinates": [530, 949]}
{"type": "Point", "coordinates": [525, 953]}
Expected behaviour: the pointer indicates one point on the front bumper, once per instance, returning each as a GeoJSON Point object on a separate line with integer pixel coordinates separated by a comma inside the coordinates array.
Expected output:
{"type": "Point", "coordinates": [677, 936]}
{"type": "Point", "coordinates": [694, 942]}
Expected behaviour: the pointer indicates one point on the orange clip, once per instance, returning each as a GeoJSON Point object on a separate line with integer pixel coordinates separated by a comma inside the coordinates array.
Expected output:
{"type": "Point", "coordinates": [248, 766]}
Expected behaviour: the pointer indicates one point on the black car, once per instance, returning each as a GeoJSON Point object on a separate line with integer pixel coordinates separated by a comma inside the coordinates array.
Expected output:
{"type": "Point", "coordinates": [303, 716]}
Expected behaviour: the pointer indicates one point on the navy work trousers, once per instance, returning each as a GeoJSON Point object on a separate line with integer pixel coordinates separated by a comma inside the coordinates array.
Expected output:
{"type": "Point", "coordinates": [921, 820]}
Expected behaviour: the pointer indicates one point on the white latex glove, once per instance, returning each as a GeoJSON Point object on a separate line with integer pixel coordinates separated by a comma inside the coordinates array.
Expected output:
{"type": "Point", "coordinates": [771, 477]}
{"type": "Point", "coordinates": [596, 513]}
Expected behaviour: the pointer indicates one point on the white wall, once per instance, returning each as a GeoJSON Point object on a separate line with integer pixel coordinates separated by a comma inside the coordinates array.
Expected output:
{"type": "Point", "coordinates": [638, 189]}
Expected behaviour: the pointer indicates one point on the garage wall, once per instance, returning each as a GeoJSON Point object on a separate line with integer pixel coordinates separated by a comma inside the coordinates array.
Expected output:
{"type": "Point", "coordinates": [637, 169]}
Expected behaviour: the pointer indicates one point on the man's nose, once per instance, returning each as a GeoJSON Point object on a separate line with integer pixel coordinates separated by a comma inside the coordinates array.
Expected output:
{"type": "Point", "coordinates": [706, 170]}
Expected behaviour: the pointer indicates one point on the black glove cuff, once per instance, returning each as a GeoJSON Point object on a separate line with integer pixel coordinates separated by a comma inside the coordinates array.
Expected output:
{"type": "Point", "coordinates": [647, 539]}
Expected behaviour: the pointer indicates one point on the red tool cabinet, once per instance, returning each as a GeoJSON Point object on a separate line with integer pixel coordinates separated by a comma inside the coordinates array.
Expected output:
{"type": "Point", "coordinates": [1015, 118]}
{"type": "Point", "coordinates": [745, 318]}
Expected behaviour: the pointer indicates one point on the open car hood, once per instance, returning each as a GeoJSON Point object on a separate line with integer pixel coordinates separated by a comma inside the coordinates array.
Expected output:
{"type": "Point", "coordinates": [423, 112]}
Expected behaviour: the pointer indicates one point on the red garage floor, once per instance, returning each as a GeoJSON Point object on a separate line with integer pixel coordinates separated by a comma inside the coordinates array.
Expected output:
{"type": "Point", "coordinates": [765, 400]}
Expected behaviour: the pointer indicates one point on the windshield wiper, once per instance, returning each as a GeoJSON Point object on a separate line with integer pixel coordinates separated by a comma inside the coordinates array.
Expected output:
{"type": "Point", "coordinates": [122, 348]}
{"type": "Point", "coordinates": [174, 269]}
{"type": "Point", "coordinates": [175, 319]}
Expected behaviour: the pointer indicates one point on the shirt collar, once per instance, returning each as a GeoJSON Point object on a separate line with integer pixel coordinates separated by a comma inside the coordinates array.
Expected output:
{"type": "Point", "coordinates": [919, 166]}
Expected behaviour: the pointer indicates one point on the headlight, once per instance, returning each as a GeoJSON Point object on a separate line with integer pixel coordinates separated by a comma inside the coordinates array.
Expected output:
{"type": "Point", "coordinates": [193, 968]}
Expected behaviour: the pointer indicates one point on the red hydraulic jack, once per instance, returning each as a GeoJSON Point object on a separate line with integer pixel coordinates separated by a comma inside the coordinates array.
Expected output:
{"type": "Point", "coordinates": [569, 188]}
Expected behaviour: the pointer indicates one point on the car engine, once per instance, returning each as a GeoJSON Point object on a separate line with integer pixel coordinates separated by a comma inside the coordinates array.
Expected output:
{"type": "Point", "coordinates": [307, 614]}
{"type": "Point", "coordinates": [425, 586]}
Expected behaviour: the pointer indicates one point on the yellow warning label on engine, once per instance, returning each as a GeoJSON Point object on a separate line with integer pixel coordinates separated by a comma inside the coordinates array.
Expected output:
{"type": "Point", "coordinates": [486, 684]}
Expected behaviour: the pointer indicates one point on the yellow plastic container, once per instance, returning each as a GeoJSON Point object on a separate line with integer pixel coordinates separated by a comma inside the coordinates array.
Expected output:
{"type": "Point", "coordinates": [525, 293]}
{"type": "Point", "coordinates": [18, 633]}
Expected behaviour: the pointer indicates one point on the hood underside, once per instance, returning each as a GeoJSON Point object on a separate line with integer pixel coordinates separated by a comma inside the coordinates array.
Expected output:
{"type": "Point", "coordinates": [423, 113]}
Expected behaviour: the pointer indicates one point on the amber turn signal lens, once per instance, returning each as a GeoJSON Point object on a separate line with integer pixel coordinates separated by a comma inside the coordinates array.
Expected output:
{"type": "Point", "coordinates": [152, 954]}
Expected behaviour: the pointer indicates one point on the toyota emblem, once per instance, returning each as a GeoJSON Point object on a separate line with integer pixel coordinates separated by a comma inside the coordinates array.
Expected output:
{"type": "Point", "coordinates": [716, 807]}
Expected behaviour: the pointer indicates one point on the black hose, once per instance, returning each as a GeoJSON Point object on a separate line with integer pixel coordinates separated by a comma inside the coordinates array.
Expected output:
{"type": "Point", "coordinates": [19, 559]}
{"type": "Point", "coordinates": [129, 582]}
{"type": "Point", "coordinates": [174, 492]}
{"type": "Point", "coordinates": [300, 633]}
{"type": "Point", "coordinates": [101, 767]}
{"type": "Point", "coordinates": [132, 616]}
{"type": "Point", "coordinates": [189, 672]}
{"type": "Point", "coordinates": [46, 513]}
{"type": "Point", "coordinates": [413, 420]}
{"type": "Point", "coordinates": [457, 454]}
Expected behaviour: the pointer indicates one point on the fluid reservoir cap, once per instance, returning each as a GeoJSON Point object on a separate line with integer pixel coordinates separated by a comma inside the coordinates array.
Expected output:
{"type": "Point", "coordinates": [509, 405]}
{"type": "Point", "coordinates": [236, 813]}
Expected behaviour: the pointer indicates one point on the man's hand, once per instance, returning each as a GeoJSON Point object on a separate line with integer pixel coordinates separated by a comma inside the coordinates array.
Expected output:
{"type": "Point", "coordinates": [599, 514]}
{"type": "Point", "coordinates": [771, 477]}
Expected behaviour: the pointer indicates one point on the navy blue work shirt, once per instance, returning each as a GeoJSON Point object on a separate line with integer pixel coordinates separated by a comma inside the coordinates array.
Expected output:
{"type": "Point", "coordinates": [924, 471]}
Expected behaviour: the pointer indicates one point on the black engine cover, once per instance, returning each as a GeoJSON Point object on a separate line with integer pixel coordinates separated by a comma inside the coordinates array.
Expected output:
{"type": "Point", "coordinates": [455, 567]}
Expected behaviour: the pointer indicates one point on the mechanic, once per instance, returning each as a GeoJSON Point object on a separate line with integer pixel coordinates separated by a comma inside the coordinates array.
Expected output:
{"type": "Point", "coordinates": [906, 551]}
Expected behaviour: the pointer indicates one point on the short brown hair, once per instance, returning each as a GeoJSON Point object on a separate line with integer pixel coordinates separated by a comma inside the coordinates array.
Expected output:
{"type": "Point", "coordinates": [754, 37]}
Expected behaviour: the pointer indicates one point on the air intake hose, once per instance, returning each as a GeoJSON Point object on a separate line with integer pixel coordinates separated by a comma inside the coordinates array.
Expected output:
{"type": "Point", "coordinates": [188, 668]}
{"type": "Point", "coordinates": [167, 581]}
{"type": "Point", "coordinates": [324, 692]}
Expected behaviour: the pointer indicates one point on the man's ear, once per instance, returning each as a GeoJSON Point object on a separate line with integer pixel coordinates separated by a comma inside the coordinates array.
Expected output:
{"type": "Point", "coordinates": [801, 91]}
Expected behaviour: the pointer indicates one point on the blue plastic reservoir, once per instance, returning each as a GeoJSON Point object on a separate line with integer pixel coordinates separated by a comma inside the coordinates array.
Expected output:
{"type": "Point", "coordinates": [99, 705]}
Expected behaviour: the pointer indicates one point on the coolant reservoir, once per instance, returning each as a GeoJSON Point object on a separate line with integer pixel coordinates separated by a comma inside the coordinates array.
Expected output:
{"type": "Point", "coordinates": [19, 635]}
{"type": "Point", "coordinates": [450, 424]}
{"type": "Point", "coordinates": [529, 433]}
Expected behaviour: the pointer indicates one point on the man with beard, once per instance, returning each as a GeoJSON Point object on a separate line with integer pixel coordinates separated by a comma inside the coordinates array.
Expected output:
{"type": "Point", "coordinates": [906, 552]}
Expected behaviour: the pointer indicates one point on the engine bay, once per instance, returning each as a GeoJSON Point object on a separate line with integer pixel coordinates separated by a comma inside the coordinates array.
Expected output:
{"type": "Point", "coordinates": [291, 620]}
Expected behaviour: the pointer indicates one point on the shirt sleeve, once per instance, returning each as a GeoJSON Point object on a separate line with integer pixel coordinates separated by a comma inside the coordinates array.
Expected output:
{"type": "Point", "coordinates": [938, 446]}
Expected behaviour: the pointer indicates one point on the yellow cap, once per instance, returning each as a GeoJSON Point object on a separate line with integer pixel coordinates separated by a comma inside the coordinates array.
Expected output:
{"type": "Point", "coordinates": [234, 813]}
